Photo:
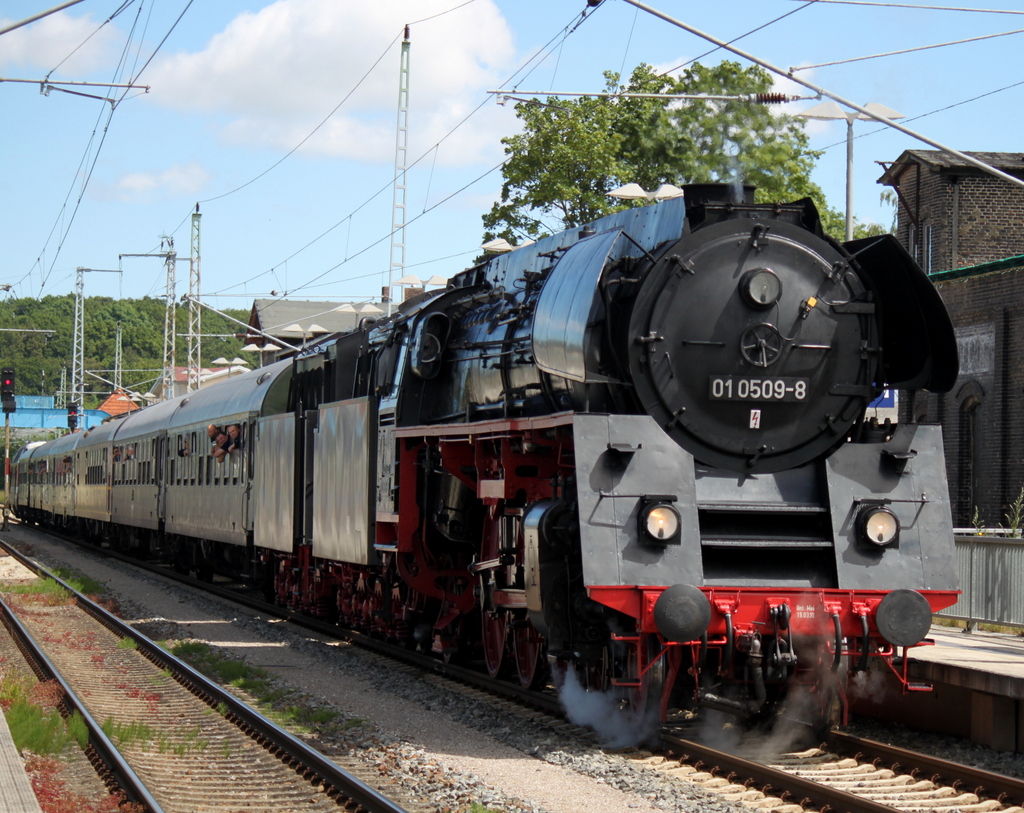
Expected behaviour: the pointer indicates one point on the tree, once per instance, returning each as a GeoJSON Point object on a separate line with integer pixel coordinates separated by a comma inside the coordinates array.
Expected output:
{"type": "Point", "coordinates": [38, 359]}
{"type": "Point", "coordinates": [571, 153]}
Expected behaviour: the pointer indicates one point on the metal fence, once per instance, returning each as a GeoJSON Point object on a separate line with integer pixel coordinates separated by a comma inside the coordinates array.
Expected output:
{"type": "Point", "coordinates": [991, 571]}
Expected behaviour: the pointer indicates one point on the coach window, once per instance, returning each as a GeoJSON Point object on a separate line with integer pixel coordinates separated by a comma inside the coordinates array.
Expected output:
{"type": "Point", "coordinates": [236, 459]}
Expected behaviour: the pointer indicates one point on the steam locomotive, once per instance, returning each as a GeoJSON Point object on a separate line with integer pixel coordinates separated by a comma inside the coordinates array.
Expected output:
{"type": "Point", "coordinates": [635, 452]}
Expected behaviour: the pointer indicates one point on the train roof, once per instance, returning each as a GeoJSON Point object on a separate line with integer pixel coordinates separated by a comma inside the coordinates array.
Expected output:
{"type": "Point", "coordinates": [263, 391]}
{"type": "Point", "coordinates": [65, 443]}
{"type": "Point", "coordinates": [99, 435]}
{"type": "Point", "coordinates": [28, 450]}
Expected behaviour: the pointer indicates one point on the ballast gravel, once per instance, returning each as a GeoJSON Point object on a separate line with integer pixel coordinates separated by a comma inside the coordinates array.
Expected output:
{"type": "Point", "coordinates": [453, 751]}
{"type": "Point", "coordinates": [456, 750]}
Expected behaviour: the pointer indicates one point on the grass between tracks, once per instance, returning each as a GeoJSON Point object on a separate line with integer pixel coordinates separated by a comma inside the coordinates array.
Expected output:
{"type": "Point", "coordinates": [50, 592]}
{"type": "Point", "coordinates": [41, 735]}
{"type": "Point", "coordinates": [283, 706]}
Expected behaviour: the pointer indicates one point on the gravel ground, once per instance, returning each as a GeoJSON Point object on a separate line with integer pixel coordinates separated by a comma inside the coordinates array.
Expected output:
{"type": "Point", "coordinates": [456, 749]}
{"type": "Point", "coordinates": [453, 749]}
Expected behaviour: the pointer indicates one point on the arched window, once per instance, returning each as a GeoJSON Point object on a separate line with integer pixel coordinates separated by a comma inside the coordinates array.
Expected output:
{"type": "Point", "coordinates": [970, 398]}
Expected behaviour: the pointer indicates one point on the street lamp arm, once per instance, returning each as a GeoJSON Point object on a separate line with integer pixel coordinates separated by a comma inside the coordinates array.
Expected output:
{"type": "Point", "coordinates": [969, 159]}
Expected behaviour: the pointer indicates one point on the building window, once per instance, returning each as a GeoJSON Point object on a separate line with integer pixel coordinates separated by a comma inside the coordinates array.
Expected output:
{"type": "Point", "coordinates": [913, 241]}
{"type": "Point", "coordinates": [928, 256]}
{"type": "Point", "coordinates": [969, 449]}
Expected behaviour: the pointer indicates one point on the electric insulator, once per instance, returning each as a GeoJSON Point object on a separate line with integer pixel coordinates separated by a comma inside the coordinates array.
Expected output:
{"type": "Point", "coordinates": [771, 98]}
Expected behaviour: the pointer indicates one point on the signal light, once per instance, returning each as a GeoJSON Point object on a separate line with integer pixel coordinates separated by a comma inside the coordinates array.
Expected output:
{"type": "Point", "coordinates": [7, 389]}
{"type": "Point", "coordinates": [73, 415]}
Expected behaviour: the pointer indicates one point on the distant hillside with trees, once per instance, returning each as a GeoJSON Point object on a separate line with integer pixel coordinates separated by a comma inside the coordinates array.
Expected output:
{"type": "Point", "coordinates": [37, 358]}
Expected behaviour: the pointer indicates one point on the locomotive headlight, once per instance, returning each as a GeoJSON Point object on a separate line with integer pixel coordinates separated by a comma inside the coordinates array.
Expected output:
{"type": "Point", "coordinates": [879, 526]}
{"type": "Point", "coordinates": [659, 524]}
{"type": "Point", "coordinates": [760, 288]}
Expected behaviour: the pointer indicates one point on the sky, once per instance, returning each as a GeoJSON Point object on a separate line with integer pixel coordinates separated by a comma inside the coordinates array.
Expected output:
{"type": "Point", "coordinates": [280, 120]}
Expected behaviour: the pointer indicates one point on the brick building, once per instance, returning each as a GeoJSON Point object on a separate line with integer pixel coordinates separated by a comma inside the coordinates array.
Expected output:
{"type": "Point", "coordinates": [966, 228]}
{"type": "Point", "coordinates": [952, 214]}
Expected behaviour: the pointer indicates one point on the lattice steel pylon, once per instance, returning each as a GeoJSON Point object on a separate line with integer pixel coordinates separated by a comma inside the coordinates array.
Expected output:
{"type": "Point", "coordinates": [170, 257]}
{"type": "Point", "coordinates": [118, 359]}
{"type": "Point", "coordinates": [78, 347]}
{"type": "Point", "coordinates": [401, 159]}
{"type": "Point", "coordinates": [170, 319]}
{"type": "Point", "coordinates": [195, 312]}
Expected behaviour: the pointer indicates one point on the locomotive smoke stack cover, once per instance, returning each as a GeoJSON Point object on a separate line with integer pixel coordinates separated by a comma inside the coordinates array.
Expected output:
{"type": "Point", "coordinates": [735, 193]}
{"type": "Point", "coordinates": [753, 343]}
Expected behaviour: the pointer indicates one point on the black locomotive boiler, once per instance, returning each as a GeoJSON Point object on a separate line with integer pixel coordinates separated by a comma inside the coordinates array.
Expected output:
{"type": "Point", "coordinates": [635, 450]}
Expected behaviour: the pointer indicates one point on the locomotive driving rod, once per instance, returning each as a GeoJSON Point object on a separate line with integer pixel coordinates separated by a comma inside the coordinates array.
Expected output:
{"type": "Point", "coordinates": [822, 92]}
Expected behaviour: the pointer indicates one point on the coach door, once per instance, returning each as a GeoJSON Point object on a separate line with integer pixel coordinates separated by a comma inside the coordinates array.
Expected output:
{"type": "Point", "coordinates": [305, 481]}
{"type": "Point", "coordinates": [162, 449]}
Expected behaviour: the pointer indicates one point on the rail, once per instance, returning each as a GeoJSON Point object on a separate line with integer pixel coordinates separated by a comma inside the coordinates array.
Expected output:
{"type": "Point", "coordinates": [360, 795]}
{"type": "Point", "coordinates": [991, 571]}
{"type": "Point", "coordinates": [99, 744]}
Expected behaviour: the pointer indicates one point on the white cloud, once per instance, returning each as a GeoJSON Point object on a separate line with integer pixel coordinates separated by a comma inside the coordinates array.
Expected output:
{"type": "Point", "coordinates": [271, 76]}
{"type": "Point", "coordinates": [176, 181]}
{"type": "Point", "coordinates": [46, 43]}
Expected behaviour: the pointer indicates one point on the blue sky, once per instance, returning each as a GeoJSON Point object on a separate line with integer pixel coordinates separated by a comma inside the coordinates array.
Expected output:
{"type": "Point", "coordinates": [236, 86]}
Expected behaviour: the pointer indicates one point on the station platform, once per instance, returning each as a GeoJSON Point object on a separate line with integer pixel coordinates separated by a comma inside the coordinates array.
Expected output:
{"type": "Point", "coordinates": [16, 794]}
{"type": "Point", "coordinates": [977, 694]}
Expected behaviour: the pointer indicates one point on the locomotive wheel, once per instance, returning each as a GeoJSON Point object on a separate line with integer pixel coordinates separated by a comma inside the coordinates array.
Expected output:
{"type": "Point", "coordinates": [494, 631]}
{"type": "Point", "coordinates": [528, 646]}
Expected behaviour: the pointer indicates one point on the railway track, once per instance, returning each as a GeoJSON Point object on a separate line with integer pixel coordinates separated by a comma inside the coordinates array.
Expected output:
{"type": "Point", "coordinates": [846, 774]}
{"type": "Point", "coordinates": [843, 775]}
{"type": "Point", "coordinates": [182, 742]}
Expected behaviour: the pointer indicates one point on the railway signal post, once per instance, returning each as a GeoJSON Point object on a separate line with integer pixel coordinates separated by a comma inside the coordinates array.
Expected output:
{"type": "Point", "coordinates": [7, 397]}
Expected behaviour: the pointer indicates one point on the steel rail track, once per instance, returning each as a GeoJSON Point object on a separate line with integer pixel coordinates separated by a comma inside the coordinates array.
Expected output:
{"type": "Point", "coordinates": [807, 792]}
{"type": "Point", "coordinates": [771, 781]}
{"type": "Point", "coordinates": [116, 773]}
{"type": "Point", "coordinates": [987, 784]}
{"type": "Point", "coordinates": [420, 660]}
{"type": "Point", "coordinates": [313, 763]}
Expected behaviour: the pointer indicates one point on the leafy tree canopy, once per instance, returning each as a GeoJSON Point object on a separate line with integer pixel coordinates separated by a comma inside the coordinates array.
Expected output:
{"type": "Point", "coordinates": [570, 154]}
{"type": "Point", "coordinates": [37, 359]}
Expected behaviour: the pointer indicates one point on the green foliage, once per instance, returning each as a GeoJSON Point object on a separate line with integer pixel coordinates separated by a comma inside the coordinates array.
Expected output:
{"type": "Point", "coordinates": [40, 731]}
{"type": "Point", "coordinates": [127, 734]}
{"type": "Point", "coordinates": [223, 669]}
{"type": "Point", "coordinates": [78, 730]}
{"type": "Point", "coordinates": [37, 359]}
{"type": "Point", "coordinates": [258, 683]}
{"type": "Point", "coordinates": [1015, 515]}
{"type": "Point", "coordinates": [47, 591]}
{"type": "Point", "coordinates": [83, 584]}
{"type": "Point", "coordinates": [571, 153]}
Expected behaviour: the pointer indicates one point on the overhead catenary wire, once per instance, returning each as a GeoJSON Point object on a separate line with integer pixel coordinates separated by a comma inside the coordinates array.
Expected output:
{"type": "Point", "coordinates": [833, 96]}
{"type": "Point", "coordinates": [95, 158]}
{"type": "Point", "coordinates": [929, 113]}
{"type": "Point", "coordinates": [335, 110]}
{"type": "Point", "coordinates": [906, 51]}
{"type": "Point", "coordinates": [524, 69]}
{"type": "Point", "coordinates": [919, 7]}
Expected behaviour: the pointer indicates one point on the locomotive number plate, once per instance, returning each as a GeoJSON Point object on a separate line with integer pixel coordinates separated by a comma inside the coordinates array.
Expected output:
{"type": "Point", "coordinates": [741, 388]}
